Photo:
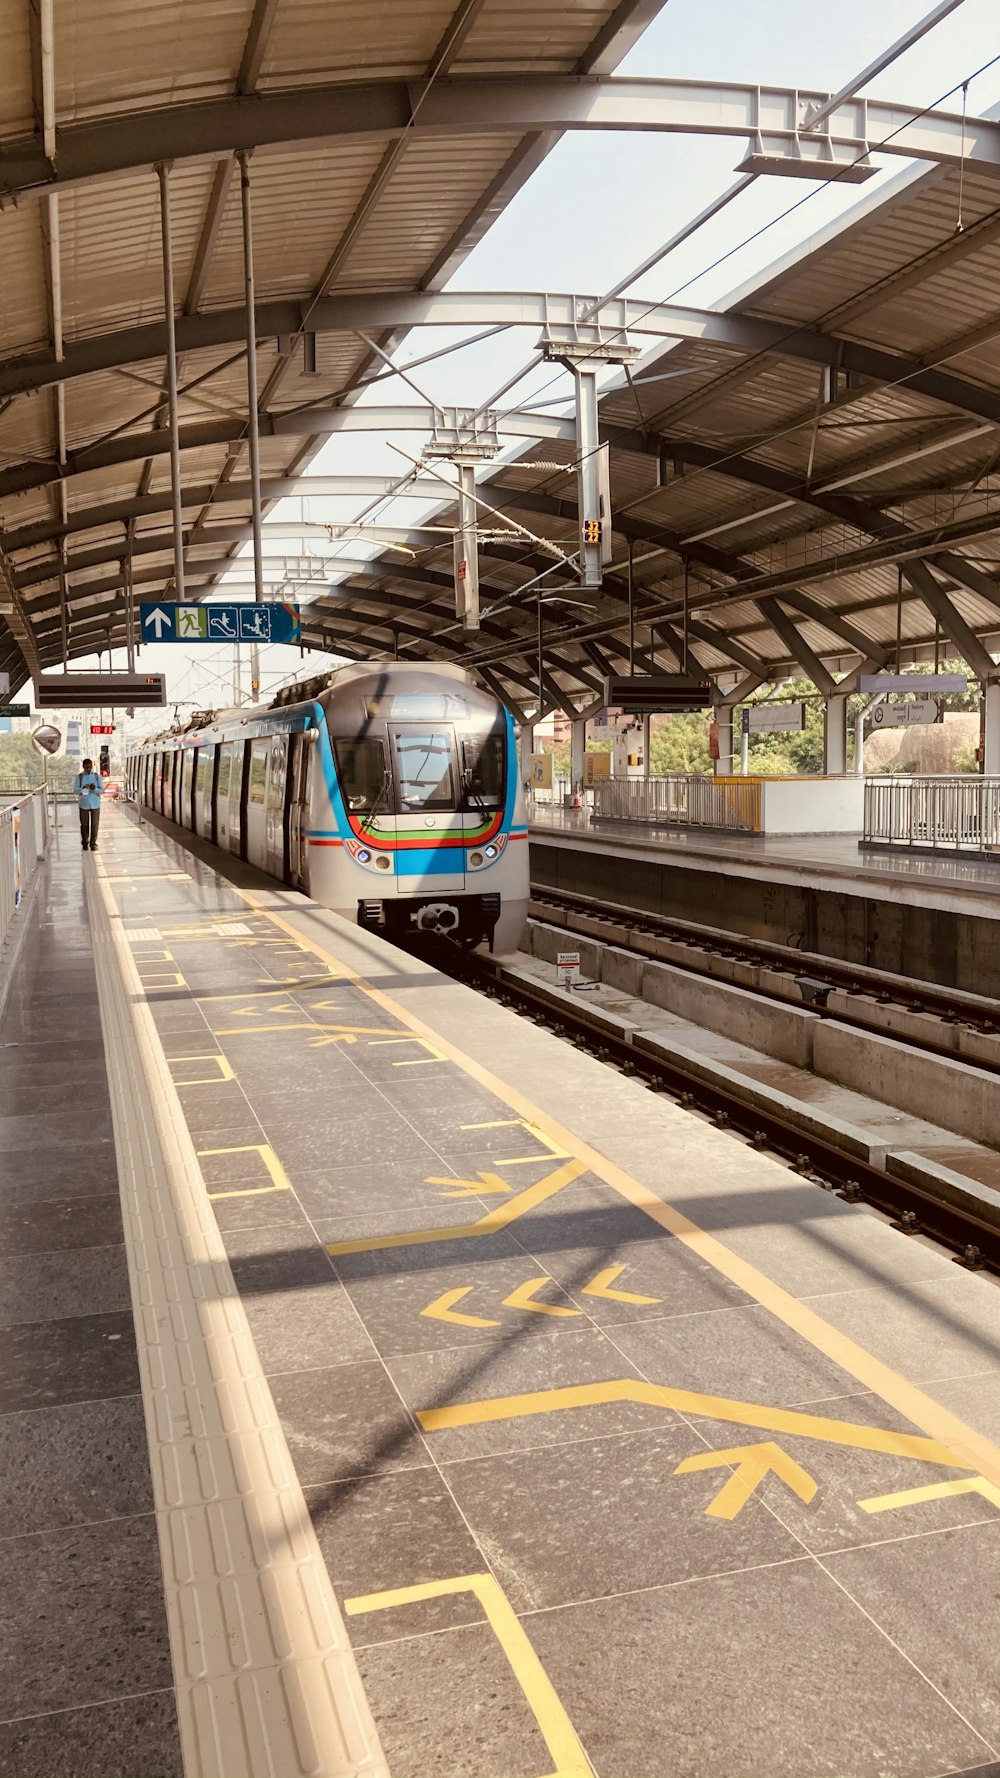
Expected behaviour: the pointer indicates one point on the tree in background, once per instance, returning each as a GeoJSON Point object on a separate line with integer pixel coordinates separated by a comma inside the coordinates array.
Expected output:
{"type": "Point", "coordinates": [678, 745]}
{"type": "Point", "coordinates": [22, 768]}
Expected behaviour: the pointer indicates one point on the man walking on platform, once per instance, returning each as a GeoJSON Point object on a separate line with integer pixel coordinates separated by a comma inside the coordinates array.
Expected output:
{"type": "Point", "coordinates": [89, 791]}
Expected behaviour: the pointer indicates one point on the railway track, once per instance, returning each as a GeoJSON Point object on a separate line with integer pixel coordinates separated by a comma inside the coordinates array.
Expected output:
{"type": "Point", "coordinates": [804, 978]}
{"type": "Point", "coordinates": [972, 1238]}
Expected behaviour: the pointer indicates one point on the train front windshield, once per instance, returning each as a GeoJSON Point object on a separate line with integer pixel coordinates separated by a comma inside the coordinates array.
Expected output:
{"type": "Point", "coordinates": [433, 768]}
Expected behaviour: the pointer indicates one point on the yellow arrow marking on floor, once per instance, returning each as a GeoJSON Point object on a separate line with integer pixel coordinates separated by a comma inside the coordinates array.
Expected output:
{"type": "Point", "coordinates": [487, 1184]}
{"type": "Point", "coordinates": [443, 1309]}
{"type": "Point", "coordinates": [753, 1463]}
{"type": "Point", "coordinates": [686, 1401]}
{"type": "Point", "coordinates": [484, 1225]}
{"type": "Point", "coordinates": [975, 1484]}
{"type": "Point", "coordinates": [601, 1286]}
{"type": "Point", "coordinates": [319, 1043]}
{"type": "Point", "coordinates": [523, 1298]}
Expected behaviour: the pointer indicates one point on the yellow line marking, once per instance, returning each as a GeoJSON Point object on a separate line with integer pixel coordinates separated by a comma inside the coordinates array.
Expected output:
{"type": "Point", "coordinates": [421, 1062]}
{"type": "Point", "coordinates": [486, 1225]}
{"type": "Point", "coordinates": [753, 1463]}
{"type": "Point", "coordinates": [494, 1123]}
{"type": "Point", "coordinates": [971, 1448]}
{"type": "Point", "coordinates": [163, 978]}
{"type": "Point", "coordinates": [976, 1484]}
{"type": "Point", "coordinates": [280, 1181]}
{"type": "Point", "coordinates": [601, 1286]}
{"type": "Point", "coordinates": [206, 1080]}
{"type": "Point", "coordinates": [685, 1401]}
{"type": "Point", "coordinates": [263, 993]}
{"type": "Point", "coordinates": [159, 955]}
{"type": "Point", "coordinates": [556, 1728]}
{"type": "Point", "coordinates": [443, 1309]}
{"type": "Point", "coordinates": [523, 1298]}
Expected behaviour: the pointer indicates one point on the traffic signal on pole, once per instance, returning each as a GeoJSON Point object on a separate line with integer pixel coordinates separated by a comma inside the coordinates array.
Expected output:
{"type": "Point", "coordinates": [105, 762]}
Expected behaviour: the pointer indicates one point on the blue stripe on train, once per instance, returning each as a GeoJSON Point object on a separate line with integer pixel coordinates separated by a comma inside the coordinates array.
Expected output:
{"type": "Point", "coordinates": [438, 863]}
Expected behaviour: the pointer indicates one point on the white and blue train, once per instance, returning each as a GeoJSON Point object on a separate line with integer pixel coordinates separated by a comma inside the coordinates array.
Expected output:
{"type": "Point", "coordinates": [390, 793]}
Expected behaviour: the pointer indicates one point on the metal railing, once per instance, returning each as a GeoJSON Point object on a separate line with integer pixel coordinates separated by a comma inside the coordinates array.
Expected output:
{"type": "Point", "coordinates": [682, 802]}
{"type": "Point", "coordinates": [24, 835]}
{"type": "Point", "coordinates": [942, 814]}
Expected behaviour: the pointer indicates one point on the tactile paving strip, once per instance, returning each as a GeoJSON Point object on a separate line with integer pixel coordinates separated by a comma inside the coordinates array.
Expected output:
{"type": "Point", "coordinates": [267, 1685]}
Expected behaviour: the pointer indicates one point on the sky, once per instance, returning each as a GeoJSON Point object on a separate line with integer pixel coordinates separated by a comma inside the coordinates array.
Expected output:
{"type": "Point", "coordinates": [602, 203]}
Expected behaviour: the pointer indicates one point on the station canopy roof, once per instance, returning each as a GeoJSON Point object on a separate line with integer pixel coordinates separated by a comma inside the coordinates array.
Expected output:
{"type": "Point", "coordinates": [810, 470]}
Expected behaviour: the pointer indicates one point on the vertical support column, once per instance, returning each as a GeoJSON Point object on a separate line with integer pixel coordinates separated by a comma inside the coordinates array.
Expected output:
{"type": "Point", "coordinates": [744, 741]}
{"type": "Point", "coordinates": [724, 718]}
{"type": "Point", "coordinates": [163, 172]}
{"type": "Point", "coordinates": [577, 750]}
{"type": "Point", "coordinates": [467, 548]}
{"type": "Point", "coordinates": [646, 736]}
{"type": "Point", "coordinates": [253, 430]}
{"type": "Point", "coordinates": [991, 729]}
{"type": "Point", "coordinates": [589, 476]}
{"type": "Point", "coordinates": [129, 599]}
{"type": "Point", "coordinates": [835, 737]}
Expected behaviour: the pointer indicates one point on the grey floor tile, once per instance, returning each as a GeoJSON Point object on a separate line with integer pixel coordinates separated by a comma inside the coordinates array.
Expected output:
{"type": "Point", "coordinates": [61, 1224]}
{"type": "Point", "coordinates": [772, 1673]}
{"type": "Point", "coordinates": [744, 1353]}
{"type": "Point", "coordinates": [937, 1597]}
{"type": "Point", "coordinates": [137, 1736]}
{"type": "Point", "coordinates": [38, 1174]}
{"type": "Point", "coordinates": [975, 1399]}
{"type": "Point", "coordinates": [260, 1210]}
{"type": "Point", "coordinates": [57, 1129]}
{"type": "Point", "coordinates": [607, 1515]}
{"type": "Point", "coordinates": [964, 1311]}
{"type": "Point", "coordinates": [307, 1328]}
{"type": "Point", "coordinates": [507, 1366]}
{"type": "Point", "coordinates": [51, 1286]}
{"type": "Point", "coordinates": [378, 1533]}
{"type": "Point", "coordinates": [83, 1617]}
{"type": "Point", "coordinates": [448, 1706]}
{"type": "Point", "coordinates": [87, 1358]}
{"type": "Point", "coordinates": [345, 1421]}
{"type": "Point", "coordinates": [72, 1464]}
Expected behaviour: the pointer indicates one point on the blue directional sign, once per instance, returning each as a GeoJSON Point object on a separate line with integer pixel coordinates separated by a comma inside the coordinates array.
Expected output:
{"type": "Point", "coordinates": [165, 622]}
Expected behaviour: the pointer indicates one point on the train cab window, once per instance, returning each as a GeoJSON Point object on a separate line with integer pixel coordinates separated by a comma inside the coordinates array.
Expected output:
{"type": "Point", "coordinates": [482, 758]}
{"type": "Point", "coordinates": [424, 769]}
{"type": "Point", "coordinates": [258, 771]}
{"type": "Point", "coordinates": [361, 770]}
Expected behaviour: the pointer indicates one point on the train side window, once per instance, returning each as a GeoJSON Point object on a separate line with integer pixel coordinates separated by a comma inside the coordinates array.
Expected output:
{"type": "Point", "coordinates": [361, 770]}
{"type": "Point", "coordinates": [276, 782]}
{"type": "Point", "coordinates": [258, 771]}
{"type": "Point", "coordinates": [483, 770]}
{"type": "Point", "coordinates": [224, 775]}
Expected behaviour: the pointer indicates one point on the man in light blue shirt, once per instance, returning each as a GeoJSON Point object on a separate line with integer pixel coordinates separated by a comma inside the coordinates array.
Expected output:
{"type": "Point", "coordinates": [89, 791]}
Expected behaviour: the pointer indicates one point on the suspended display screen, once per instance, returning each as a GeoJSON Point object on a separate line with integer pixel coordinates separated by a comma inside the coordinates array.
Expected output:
{"type": "Point", "coordinates": [657, 693]}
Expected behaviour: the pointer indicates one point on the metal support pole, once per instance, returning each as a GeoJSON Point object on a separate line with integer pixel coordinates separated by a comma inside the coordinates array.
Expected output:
{"type": "Point", "coordinates": [253, 432]}
{"type": "Point", "coordinates": [647, 723]}
{"type": "Point", "coordinates": [63, 604]}
{"type": "Point", "coordinates": [835, 737]}
{"type": "Point", "coordinates": [163, 172]}
{"type": "Point", "coordinates": [745, 741]}
{"type": "Point", "coordinates": [541, 669]}
{"type": "Point", "coordinates": [724, 719]}
{"type": "Point", "coordinates": [577, 750]}
{"type": "Point", "coordinates": [467, 549]}
{"type": "Point", "coordinates": [991, 730]}
{"type": "Point", "coordinates": [129, 601]}
{"type": "Point", "coordinates": [631, 610]}
{"type": "Point", "coordinates": [589, 477]}
{"type": "Point", "coordinates": [684, 662]}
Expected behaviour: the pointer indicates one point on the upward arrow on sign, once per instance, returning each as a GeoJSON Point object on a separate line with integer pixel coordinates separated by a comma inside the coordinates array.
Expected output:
{"type": "Point", "coordinates": [161, 620]}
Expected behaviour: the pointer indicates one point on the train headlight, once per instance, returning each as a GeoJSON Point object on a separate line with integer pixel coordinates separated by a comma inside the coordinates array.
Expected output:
{"type": "Point", "coordinates": [491, 852]}
{"type": "Point", "coordinates": [475, 859]}
{"type": "Point", "coordinates": [382, 862]}
{"type": "Point", "coordinates": [362, 855]}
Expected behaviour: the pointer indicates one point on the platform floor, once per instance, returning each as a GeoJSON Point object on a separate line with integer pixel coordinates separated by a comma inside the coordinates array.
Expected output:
{"type": "Point", "coordinates": [628, 1451]}
{"type": "Point", "coordinates": [946, 880]}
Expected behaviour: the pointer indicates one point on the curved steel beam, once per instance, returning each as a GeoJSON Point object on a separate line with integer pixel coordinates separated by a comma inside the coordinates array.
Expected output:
{"type": "Point", "coordinates": [381, 309]}
{"type": "Point", "coordinates": [383, 110]}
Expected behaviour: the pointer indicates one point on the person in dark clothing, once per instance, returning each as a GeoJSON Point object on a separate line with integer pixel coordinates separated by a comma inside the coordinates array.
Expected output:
{"type": "Point", "coordinates": [89, 791]}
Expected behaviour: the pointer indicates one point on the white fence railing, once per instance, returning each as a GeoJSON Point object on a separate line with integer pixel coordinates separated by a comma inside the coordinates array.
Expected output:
{"type": "Point", "coordinates": [689, 802]}
{"type": "Point", "coordinates": [24, 837]}
{"type": "Point", "coordinates": [946, 814]}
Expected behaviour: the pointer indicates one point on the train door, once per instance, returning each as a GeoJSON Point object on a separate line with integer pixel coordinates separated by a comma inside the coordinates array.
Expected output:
{"type": "Point", "coordinates": [173, 810]}
{"type": "Point", "coordinates": [430, 856]}
{"type": "Point", "coordinates": [223, 780]}
{"type": "Point", "coordinates": [274, 808]}
{"type": "Point", "coordinates": [238, 799]}
{"type": "Point", "coordinates": [255, 835]}
{"type": "Point", "coordinates": [300, 753]}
